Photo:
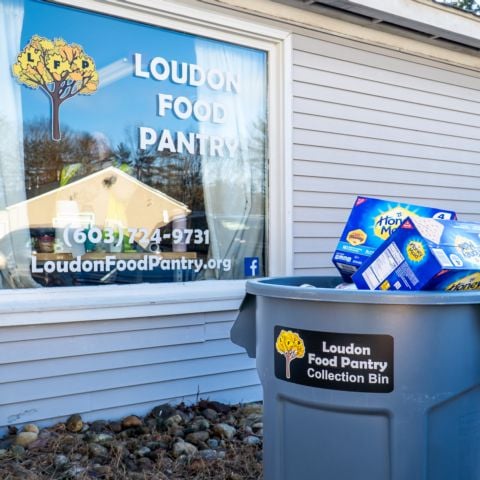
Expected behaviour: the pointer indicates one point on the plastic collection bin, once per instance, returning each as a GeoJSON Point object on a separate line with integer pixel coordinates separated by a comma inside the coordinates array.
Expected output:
{"type": "Point", "coordinates": [362, 385]}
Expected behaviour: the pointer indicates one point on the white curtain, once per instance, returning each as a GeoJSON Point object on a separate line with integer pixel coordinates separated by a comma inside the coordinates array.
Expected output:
{"type": "Point", "coordinates": [234, 188]}
{"type": "Point", "coordinates": [15, 252]}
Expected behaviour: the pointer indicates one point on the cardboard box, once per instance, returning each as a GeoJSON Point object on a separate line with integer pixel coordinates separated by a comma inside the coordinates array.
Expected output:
{"type": "Point", "coordinates": [425, 254]}
{"type": "Point", "coordinates": [370, 223]}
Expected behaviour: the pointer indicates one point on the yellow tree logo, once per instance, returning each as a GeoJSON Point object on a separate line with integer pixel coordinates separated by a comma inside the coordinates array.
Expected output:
{"type": "Point", "coordinates": [291, 346]}
{"type": "Point", "coordinates": [58, 69]}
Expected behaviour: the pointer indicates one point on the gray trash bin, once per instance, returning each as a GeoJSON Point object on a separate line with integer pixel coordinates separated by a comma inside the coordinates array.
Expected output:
{"type": "Point", "coordinates": [362, 385]}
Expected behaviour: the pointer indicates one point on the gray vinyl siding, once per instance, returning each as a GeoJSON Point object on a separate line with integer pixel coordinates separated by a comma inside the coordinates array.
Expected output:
{"type": "Point", "coordinates": [370, 121]}
{"type": "Point", "coordinates": [111, 368]}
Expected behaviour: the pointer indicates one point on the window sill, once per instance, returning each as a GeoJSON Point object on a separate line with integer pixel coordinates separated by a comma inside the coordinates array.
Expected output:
{"type": "Point", "coordinates": [79, 304]}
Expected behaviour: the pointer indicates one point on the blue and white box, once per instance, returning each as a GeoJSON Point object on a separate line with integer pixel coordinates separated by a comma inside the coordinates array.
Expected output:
{"type": "Point", "coordinates": [370, 223]}
{"type": "Point", "coordinates": [425, 254]}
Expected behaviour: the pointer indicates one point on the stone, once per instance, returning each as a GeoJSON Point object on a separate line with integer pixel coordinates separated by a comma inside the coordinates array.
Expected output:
{"type": "Point", "coordinates": [96, 450]}
{"type": "Point", "coordinates": [208, 454]}
{"type": "Point", "coordinates": [156, 454]}
{"type": "Point", "coordinates": [219, 407]}
{"type": "Point", "coordinates": [213, 443]}
{"type": "Point", "coordinates": [136, 476]}
{"type": "Point", "coordinates": [249, 408]}
{"type": "Point", "coordinates": [183, 448]}
{"type": "Point", "coordinates": [74, 423]}
{"type": "Point", "coordinates": [230, 419]}
{"type": "Point", "coordinates": [135, 432]}
{"type": "Point", "coordinates": [6, 443]}
{"type": "Point", "coordinates": [144, 463]}
{"type": "Point", "coordinates": [75, 471]}
{"type": "Point", "coordinates": [131, 421]}
{"type": "Point", "coordinates": [60, 460]}
{"type": "Point", "coordinates": [59, 427]}
{"type": "Point", "coordinates": [116, 427]}
{"type": "Point", "coordinates": [253, 418]}
{"type": "Point", "coordinates": [47, 434]}
{"type": "Point", "coordinates": [141, 452]}
{"type": "Point", "coordinates": [252, 440]}
{"type": "Point", "coordinates": [197, 437]}
{"type": "Point", "coordinates": [186, 416]}
{"type": "Point", "coordinates": [176, 432]}
{"type": "Point", "coordinates": [98, 426]}
{"type": "Point", "coordinates": [31, 427]}
{"type": "Point", "coordinates": [224, 430]}
{"type": "Point", "coordinates": [104, 471]}
{"type": "Point", "coordinates": [101, 438]}
{"type": "Point", "coordinates": [25, 438]}
{"type": "Point", "coordinates": [210, 414]}
{"type": "Point", "coordinates": [3, 452]}
{"type": "Point", "coordinates": [17, 450]}
{"type": "Point", "coordinates": [234, 476]}
{"type": "Point", "coordinates": [161, 441]}
{"type": "Point", "coordinates": [200, 423]}
{"type": "Point", "coordinates": [151, 424]}
{"type": "Point", "coordinates": [173, 421]}
{"type": "Point", "coordinates": [38, 443]}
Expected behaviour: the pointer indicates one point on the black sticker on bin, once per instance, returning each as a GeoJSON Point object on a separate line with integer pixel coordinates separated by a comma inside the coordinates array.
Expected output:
{"type": "Point", "coordinates": [339, 361]}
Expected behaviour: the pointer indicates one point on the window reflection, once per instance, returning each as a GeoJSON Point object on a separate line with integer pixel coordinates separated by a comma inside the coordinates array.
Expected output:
{"type": "Point", "coordinates": [86, 195]}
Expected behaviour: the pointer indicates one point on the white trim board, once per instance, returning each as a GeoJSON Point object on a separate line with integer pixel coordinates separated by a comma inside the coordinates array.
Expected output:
{"type": "Point", "coordinates": [80, 304]}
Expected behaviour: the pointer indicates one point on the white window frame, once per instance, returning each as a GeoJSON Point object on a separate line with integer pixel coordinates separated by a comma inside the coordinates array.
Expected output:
{"type": "Point", "coordinates": [49, 305]}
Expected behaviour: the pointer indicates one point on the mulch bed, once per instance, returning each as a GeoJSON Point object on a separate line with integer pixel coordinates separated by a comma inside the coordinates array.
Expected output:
{"type": "Point", "coordinates": [207, 440]}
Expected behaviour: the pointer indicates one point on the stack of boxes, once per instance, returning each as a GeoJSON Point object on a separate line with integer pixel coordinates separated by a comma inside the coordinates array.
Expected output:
{"type": "Point", "coordinates": [396, 246]}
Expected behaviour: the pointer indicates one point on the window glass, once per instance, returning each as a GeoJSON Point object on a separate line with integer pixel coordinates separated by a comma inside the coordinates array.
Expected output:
{"type": "Point", "coordinates": [129, 153]}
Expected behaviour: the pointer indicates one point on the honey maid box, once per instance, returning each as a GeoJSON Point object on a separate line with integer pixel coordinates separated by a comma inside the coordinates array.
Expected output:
{"type": "Point", "coordinates": [370, 223]}
{"type": "Point", "coordinates": [425, 254]}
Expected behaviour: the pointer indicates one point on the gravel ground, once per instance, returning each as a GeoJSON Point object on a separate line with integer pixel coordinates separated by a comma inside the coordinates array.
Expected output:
{"type": "Point", "coordinates": [207, 440]}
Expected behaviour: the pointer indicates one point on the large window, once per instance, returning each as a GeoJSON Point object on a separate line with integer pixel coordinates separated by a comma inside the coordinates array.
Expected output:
{"type": "Point", "coordinates": [128, 153]}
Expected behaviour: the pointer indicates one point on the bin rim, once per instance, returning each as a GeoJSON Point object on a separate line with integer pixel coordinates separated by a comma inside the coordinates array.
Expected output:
{"type": "Point", "coordinates": [289, 288]}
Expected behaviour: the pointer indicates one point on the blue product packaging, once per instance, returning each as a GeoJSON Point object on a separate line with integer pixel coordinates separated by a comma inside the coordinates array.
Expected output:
{"type": "Point", "coordinates": [425, 254]}
{"type": "Point", "coordinates": [370, 223]}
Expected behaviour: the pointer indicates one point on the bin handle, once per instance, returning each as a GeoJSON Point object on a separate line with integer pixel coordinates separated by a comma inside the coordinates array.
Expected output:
{"type": "Point", "coordinates": [243, 331]}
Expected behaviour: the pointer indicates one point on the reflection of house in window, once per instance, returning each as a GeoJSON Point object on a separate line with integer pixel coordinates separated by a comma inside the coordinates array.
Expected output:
{"type": "Point", "coordinates": [109, 198]}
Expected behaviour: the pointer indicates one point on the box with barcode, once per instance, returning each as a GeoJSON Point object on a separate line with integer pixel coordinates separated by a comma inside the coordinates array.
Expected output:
{"type": "Point", "coordinates": [425, 254]}
{"type": "Point", "coordinates": [371, 221]}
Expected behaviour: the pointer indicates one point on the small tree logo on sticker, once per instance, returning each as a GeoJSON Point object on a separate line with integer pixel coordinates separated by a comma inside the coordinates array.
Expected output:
{"type": "Point", "coordinates": [59, 69]}
{"type": "Point", "coordinates": [291, 346]}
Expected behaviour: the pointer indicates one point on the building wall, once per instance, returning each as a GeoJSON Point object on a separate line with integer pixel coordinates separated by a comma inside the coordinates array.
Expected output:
{"type": "Point", "coordinates": [375, 122]}
{"type": "Point", "coordinates": [104, 364]}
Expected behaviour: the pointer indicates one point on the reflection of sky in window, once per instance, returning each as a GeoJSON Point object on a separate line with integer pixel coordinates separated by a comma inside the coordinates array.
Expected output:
{"type": "Point", "coordinates": [122, 101]}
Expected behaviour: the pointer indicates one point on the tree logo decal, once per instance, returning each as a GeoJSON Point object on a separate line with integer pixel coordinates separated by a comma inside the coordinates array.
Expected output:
{"type": "Point", "coordinates": [59, 69]}
{"type": "Point", "coordinates": [291, 346]}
